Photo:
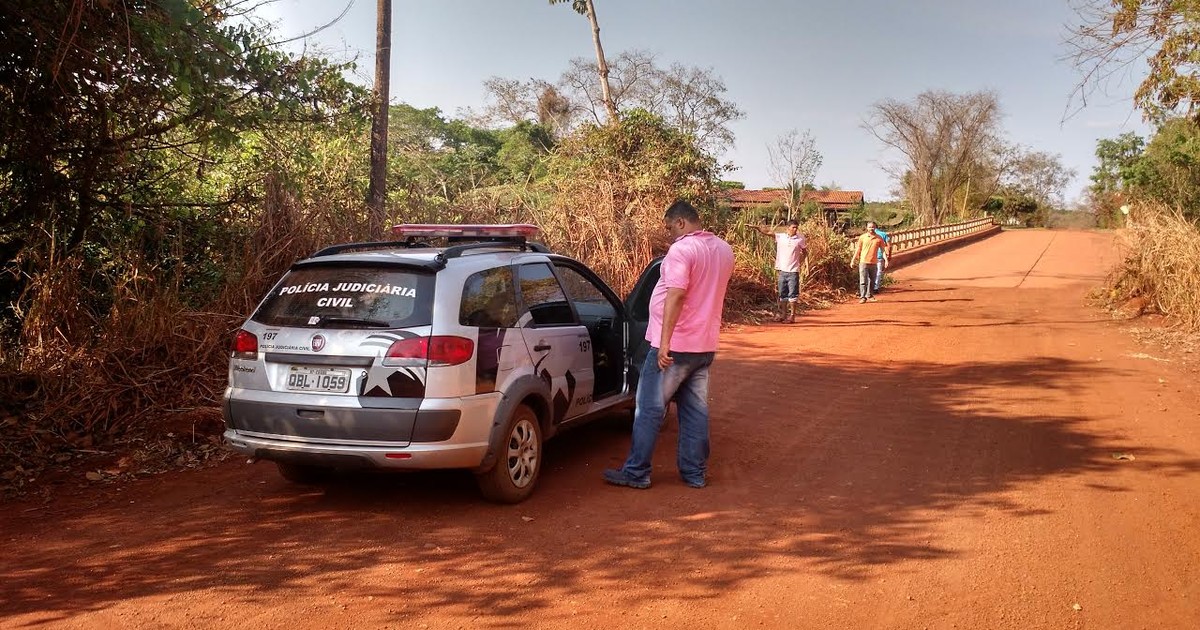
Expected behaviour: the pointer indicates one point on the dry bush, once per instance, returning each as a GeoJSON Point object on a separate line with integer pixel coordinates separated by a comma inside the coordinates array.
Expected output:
{"type": "Point", "coordinates": [1160, 269]}
{"type": "Point", "coordinates": [616, 242]}
{"type": "Point", "coordinates": [619, 241]}
{"type": "Point", "coordinates": [93, 377]}
{"type": "Point", "coordinates": [825, 276]}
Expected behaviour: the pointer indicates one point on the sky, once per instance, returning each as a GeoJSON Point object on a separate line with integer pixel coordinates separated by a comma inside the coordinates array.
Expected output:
{"type": "Point", "coordinates": [816, 65]}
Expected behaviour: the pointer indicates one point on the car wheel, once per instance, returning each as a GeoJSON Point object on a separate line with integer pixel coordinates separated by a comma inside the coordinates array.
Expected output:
{"type": "Point", "coordinates": [304, 474]}
{"type": "Point", "coordinates": [519, 461]}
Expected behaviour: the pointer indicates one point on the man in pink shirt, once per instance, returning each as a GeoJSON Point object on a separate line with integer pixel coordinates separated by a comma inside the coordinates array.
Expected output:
{"type": "Point", "coordinates": [685, 319]}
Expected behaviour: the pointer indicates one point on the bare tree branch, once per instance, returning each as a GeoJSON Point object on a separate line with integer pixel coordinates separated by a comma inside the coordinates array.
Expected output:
{"type": "Point", "coordinates": [793, 163]}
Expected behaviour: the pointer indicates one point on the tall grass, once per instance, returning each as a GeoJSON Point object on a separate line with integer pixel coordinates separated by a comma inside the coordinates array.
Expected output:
{"type": "Point", "coordinates": [1160, 265]}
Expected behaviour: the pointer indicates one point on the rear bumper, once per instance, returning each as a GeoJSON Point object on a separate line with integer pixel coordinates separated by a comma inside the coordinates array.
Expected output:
{"type": "Point", "coordinates": [425, 434]}
{"type": "Point", "coordinates": [412, 456]}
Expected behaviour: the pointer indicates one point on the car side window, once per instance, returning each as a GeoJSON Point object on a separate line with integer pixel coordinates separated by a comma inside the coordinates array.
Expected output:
{"type": "Point", "coordinates": [543, 296]}
{"type": "Point", "coordinates": [489, 300]}
{"type": "Point", "coordinates": [590, 302]}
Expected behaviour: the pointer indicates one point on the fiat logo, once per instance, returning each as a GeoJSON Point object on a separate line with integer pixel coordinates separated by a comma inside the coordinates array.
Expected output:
{"type": "Point", "coordinates": [318, 342]}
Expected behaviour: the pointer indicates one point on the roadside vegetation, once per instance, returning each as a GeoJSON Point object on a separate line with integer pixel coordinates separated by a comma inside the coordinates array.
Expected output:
{"type": "Point", "coordinates": [1159, 271]}
{"type": "Point", "coordinates": [1150, 187]}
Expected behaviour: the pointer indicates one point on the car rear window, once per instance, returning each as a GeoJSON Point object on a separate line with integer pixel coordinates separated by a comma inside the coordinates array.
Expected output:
{"type": "Point", "coordinates": [342, 296]}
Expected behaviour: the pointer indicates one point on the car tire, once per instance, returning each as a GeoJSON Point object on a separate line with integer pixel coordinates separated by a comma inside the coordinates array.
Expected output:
{"type": "Point", "coordinates": [304, 474]}
{"type": "Point", "coordinates": [518, 461]}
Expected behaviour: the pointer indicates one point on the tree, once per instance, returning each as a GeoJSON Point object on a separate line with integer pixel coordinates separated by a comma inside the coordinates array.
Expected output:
{"type": "Point", "coordinates": [588, 9]}
{"type": "Point", "coordinates": [435, 160]}
{"type": "Point", "coordinates": [515, 102]}
{"type": "Point", "coordinates": [688, 98]}
{"type": "Point", "coordinates": [1169, 169]}
{"type": "Point", "coordinates": [377, 196]}
{"type": "Point", "coordinates": [692, 101]}
{"type": "Point", "coordinates": [942, 136]}
{"type": "Point", "coordinates": [630, 80]}
{"type": "Point", "coordinates": [608, 185]}
{"type": "Point", "coordinates": [1038, 175]}
{"type": "Point", "coordinates": [793, 164]}
{"type": "Point", "coordinates": [140, 93]}
{"type": "Point", "coordinates": [1029, 185]}
{"type": "Point", "coordinates": [1117, 157]}
{"type": "Point", "coordinates": [1114, 34]}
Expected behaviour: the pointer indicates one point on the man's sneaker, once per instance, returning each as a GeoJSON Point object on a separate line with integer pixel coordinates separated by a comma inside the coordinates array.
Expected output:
{"type": "Point", "coordinates": [695, 484]}
{"type": "Point", "coordinates": [862, 300]}
{"type": "Point", "coordinates": [618, 478]}
{"type": "Point", "coordinates": [872, 299]}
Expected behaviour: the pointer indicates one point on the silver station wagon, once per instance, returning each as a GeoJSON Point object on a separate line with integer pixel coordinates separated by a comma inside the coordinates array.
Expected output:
{"type": "Point", "coordinates": [406, 355]}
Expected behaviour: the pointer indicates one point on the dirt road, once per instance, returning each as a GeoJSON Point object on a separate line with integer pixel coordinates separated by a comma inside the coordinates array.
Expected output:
{"type": "Point", "coordinates": [944, 458]}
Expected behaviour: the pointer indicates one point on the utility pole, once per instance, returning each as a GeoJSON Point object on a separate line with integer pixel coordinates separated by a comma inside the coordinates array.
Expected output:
{"type": "Point", "coordinates": [377, 193]}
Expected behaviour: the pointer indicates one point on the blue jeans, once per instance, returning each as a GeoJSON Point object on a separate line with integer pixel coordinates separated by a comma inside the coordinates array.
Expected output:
{"type": "Point", "coordinates": [866, 279]}
{"type": "Point", "coordinates": [685, 382]}
{"type": "Point", "coordinates": [878, 275]}
{"type": "Point", "coordinates": [789, 285]}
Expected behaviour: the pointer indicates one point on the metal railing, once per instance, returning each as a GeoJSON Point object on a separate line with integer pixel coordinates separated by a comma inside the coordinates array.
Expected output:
{"type": "Point", "coordinates": [917, 237]}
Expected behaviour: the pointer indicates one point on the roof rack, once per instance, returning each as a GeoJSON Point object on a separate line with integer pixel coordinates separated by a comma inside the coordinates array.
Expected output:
{"type": "Point", "coordinates": [344, 247]}
{"type": "Point", "coordinates": [461, 239]}
{"type": "Point", "coordinates": [519, 243]}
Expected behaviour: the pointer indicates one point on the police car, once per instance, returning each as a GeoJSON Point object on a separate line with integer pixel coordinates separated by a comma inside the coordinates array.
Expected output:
{"type": "Point", "coordinates": [410, 355]}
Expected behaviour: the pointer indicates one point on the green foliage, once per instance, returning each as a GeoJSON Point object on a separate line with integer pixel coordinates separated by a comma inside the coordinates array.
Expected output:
{"type": "Point", "coordinates": [1117, 160]}
{"type": "Point", "coordinates": [1165, 170]}
{"type": "Point", "coordinates": [113, 142]}
{"type": "Point", "coordinates": [523, 152]}
{"type": "Point", "coordinates": [162, 166]}
{"type": "Point", "coordinates": [609, 185]}
{"type": "Point", "coordinates": [642, 156]}
{"type": "Point", "coordinates": [1169, 169]}
{"type": "Point", "coordinates": [579, 6]}
{"type": "Point", "coordinates": [141, 87]}
{"type": "Point", "coordinates": [885, 214]}
{"type": "Point", "coordinates": [1172, 82]}
{"type": "Point", "coordinates": [1026, 210]}
{"type": "Point", "coordinates": [810, 209]}
{"type": "Point", "coordinates": [1114, 35]}
{"type": "Point", "coordinates": [158, 167]}
{"type": "Point", "coordinates": [435, 161]}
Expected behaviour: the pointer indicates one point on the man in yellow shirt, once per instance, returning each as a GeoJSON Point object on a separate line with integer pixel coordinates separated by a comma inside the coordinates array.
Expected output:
{"type": "Point", "coordinates": [868, 249]}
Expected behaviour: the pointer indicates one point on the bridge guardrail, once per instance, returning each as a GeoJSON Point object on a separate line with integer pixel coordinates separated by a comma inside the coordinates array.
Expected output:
{"type": "Point", "coordinates": [906, 240]}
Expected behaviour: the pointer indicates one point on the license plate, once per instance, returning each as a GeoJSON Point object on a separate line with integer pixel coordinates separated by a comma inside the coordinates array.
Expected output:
{"type": "Point", "coordinates": [318, 379]}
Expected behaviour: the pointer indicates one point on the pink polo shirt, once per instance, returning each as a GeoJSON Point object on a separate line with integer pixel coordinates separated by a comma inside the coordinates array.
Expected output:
{"type": "Point", "coordinates": [700, 263]}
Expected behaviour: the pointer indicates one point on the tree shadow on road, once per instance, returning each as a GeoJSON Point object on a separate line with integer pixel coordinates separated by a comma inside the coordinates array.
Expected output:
{"type": "Point", "coordinates": [829, 466]}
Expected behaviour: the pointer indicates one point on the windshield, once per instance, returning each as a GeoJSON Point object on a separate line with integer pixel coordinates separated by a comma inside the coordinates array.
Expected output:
{"type": "Point", "coordinates": [349, 297]}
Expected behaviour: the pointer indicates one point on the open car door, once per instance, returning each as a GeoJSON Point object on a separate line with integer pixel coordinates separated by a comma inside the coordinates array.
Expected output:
{"type": "Point", "coordinates": [638, 307]}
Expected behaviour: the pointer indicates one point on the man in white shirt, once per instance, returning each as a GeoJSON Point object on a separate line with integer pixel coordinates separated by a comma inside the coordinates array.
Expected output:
{"type": "Point", "coordinates": [790, 252]}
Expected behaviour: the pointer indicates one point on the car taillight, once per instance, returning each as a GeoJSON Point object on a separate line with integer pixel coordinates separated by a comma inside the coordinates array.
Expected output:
{"type": "Point", "coordinates": [245, 345]}
{"type": "Point", "coordinates": [433, 351]}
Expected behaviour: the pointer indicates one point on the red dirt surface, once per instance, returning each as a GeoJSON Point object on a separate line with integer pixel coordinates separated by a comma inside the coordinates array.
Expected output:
{"type": "Point", "coordinates": [977, 449]}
